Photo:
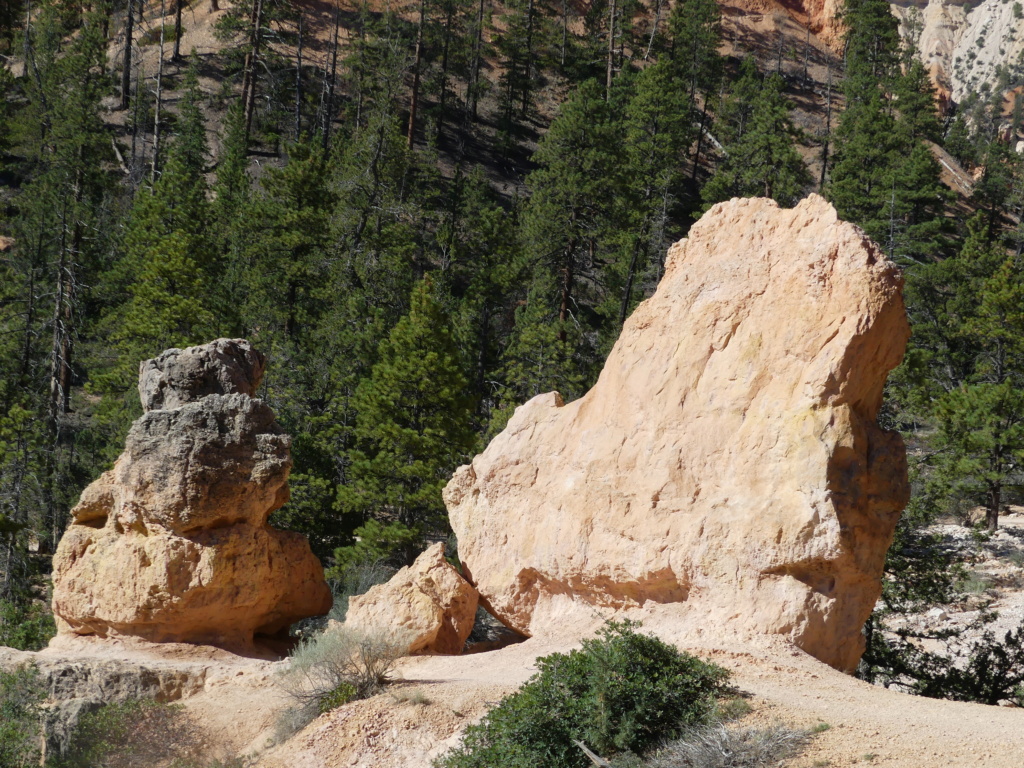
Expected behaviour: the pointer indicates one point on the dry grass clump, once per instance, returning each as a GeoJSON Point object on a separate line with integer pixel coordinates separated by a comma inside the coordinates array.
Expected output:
{"type": "Point", "coordinates": [718, 746]}
{"type": "Point", "coordinates": [361, 660]}
{"type": "Point", "coordinates": [335, 667]}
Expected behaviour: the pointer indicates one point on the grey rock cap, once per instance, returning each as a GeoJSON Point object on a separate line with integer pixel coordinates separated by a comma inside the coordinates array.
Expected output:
{"type": "Point", "coordinates": [180, 376]}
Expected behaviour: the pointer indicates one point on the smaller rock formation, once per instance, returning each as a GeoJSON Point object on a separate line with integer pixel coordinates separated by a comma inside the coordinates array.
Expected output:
{"type": "Point", "coordinates": [172, 544]}
{"type": "Point", "coordinates": [428, 601]}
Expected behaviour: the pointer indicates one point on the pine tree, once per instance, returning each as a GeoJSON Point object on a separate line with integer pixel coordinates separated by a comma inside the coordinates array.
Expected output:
{"type": "Point", "coordinates": [965, 373]}
{"type": "Point", "coordinates": [695, 29]}
{"type": "Point", "coordinates": [573, 193]}
{"type": "Point", "coordinates": [413, 422]}
{"type": "Point", "coordinates": [168, 271]}
{"type": "Point", "coordinates": [541, 356]}
{"type": "Point", "coordinates": [61, 233]}
{"type": "Point", "coordinates": [981, 443]}
{"type": "Point", "coordinates": [884, 177]}
{"type": "Point", "coordinates": [657, 132]}
{"type": "Point", "coordinates": [763, 160]}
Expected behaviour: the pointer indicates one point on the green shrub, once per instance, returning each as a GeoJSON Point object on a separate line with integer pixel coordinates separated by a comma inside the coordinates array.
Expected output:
{"type": "Point", "coordinates": [985, 671]}
{"type": "Point", "coordinates": [342, 694]}
{"type": "Point", "coordinates": [152, 36]}
{"type": "Point", "coordinates": [355, 579]}
{"type": "Point", "coordinates": [21, 694]}
{"type": "Point", "coordinates": [102, 732]}
{"type": "Point", "coordinates": [134, 733]}
{"type": "Point", "coordinates": [622, 691]}
{"type": "Point", "coordinates": [378, 543]}
{"type": "Point", "coordinates": [988, 672]}
{"type": "Point", "coordinates": [26, 625]}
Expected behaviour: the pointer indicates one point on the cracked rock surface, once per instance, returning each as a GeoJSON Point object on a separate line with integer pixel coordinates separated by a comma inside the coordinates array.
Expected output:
{"type": "Point", "coordinates": [728, 460]}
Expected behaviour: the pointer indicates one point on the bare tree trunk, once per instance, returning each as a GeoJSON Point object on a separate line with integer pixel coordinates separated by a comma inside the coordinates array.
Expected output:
{"type": "Point", "coordinates": [565, 32]}
{"type": "Point", "coordinates": [159, 99]}
{"type": "Point", "coordinates": [444, 69]}
{"type": "Point", "coordinates": [528, 68]}
{"type": "Point", "coordinates": [251, 59]}
{"type": "Point", "coordinates": [126, 68]}
{"type": "Point", "coordinates": [828, 129]}
{"type": "Point", "coordinates": [27, 37]}
{"type": "Point", "coordinates": [414, 100]}
{"type": "Point", "coordinates": [135, 122]}
{"type": "Point", "coordinates": [611, 51]}
{"type": "Point", "coordinates": [568, 278]}
{"type": "Point", "coordinates": [992, 511]}
{"type": "Point", "coordinates": [298, 82]}
{"type": "Point", "coordinates": [654, 29]}
{"type": "Point", "coordinates": [700, 139]}
{"type": "Point", "coordinates": [330, 81]}
{"type": "Point", "coordinates": [63, 318]}
{"type": "Point", "coordinates": [474, 73]}
{"type": "Point", "coordinates": [176, 56]}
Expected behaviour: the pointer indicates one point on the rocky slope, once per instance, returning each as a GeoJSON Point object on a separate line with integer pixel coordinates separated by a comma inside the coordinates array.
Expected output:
{"type": "Point", "coordinates": [964, 43]}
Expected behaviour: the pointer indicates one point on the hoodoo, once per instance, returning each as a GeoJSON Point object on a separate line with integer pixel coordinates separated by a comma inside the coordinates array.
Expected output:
{"type": "Point", "coordinates": [172, 544]}
{"type": "Point", "coordinates": [728, 458]}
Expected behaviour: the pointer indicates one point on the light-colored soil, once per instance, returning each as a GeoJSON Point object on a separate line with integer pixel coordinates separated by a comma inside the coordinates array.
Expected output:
{"type": "Point", "coordinates": [782, 683]}
{"type": "Point", "coordinates": [422, 715]}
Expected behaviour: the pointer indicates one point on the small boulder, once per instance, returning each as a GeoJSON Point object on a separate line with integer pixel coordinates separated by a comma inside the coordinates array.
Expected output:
{"type": "Point", "coordinates": [428, 601]}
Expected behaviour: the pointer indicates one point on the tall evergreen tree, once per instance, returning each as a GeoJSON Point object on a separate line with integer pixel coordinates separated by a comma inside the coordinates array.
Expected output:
{"type": "Point", "coordinates": [884, 178]}
{"type": "Point", "coordinates": [169, 270]}
{"type": "Point", "coordinates": [413, 423]}
{"type": "Point", "coordinates": [763, 160]}
{"type": "Point", "coordinates": [572, 197]}
{"type": "Point", "coordinates": [696, 34]}
{"type": "Point", "coordinates": [657, 131]}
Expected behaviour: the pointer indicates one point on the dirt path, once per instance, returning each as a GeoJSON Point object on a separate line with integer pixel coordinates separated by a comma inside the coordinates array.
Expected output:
{"type": "Point", "coordinates": [866, 725]}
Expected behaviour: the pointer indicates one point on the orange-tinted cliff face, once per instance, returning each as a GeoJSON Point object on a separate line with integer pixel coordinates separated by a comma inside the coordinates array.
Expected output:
{"type": "Point", "coordinates": [820, 16]}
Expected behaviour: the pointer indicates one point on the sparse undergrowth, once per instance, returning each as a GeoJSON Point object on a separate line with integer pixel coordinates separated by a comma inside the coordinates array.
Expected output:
{"type": "Point", "coordinates": [719, 746]}
{"type": "Point", "coordinates": [21, 694]}
{"type": "Point", "coordinates": [622, 692]}
{"type": "Point", "coordinates": [134, 733]}
{"type": "Point", "coordinates": [335, 667]}
{"type": "Point", "coordinates": [126, 734]}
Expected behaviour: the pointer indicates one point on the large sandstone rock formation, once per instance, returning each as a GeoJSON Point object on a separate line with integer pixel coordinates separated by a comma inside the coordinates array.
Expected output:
{"type": "Point", "coordinates": [427, 603]}
{"type": "Point", "coordinates": [728, 457]}
{"type": "Point", "coordinates": [172, 544]}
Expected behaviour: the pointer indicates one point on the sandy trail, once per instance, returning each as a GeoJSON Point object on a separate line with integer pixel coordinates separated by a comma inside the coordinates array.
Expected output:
{"type": "Point", "coordinates": [866, 724]}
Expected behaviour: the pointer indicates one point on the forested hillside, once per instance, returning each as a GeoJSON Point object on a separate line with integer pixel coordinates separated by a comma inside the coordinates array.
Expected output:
{"type": "Point", "coordinates": [427, 213]}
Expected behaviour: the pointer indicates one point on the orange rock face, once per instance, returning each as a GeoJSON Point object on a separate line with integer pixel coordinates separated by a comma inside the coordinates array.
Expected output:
{"type": "Point", "coordinates": [728, 458]}
{"type": "Point", "coordinates": [428, 602]}
{"type": "Point", "coordinates": [172, 544]}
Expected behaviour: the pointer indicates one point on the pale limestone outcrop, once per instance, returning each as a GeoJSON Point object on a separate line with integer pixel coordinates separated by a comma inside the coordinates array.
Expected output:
{"type": "Point", "coordinates": [172, 544]}
{"type": "Point", "coordinates": [428, 602]}
{"type": "Point", "coordinates": [728, 457]}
